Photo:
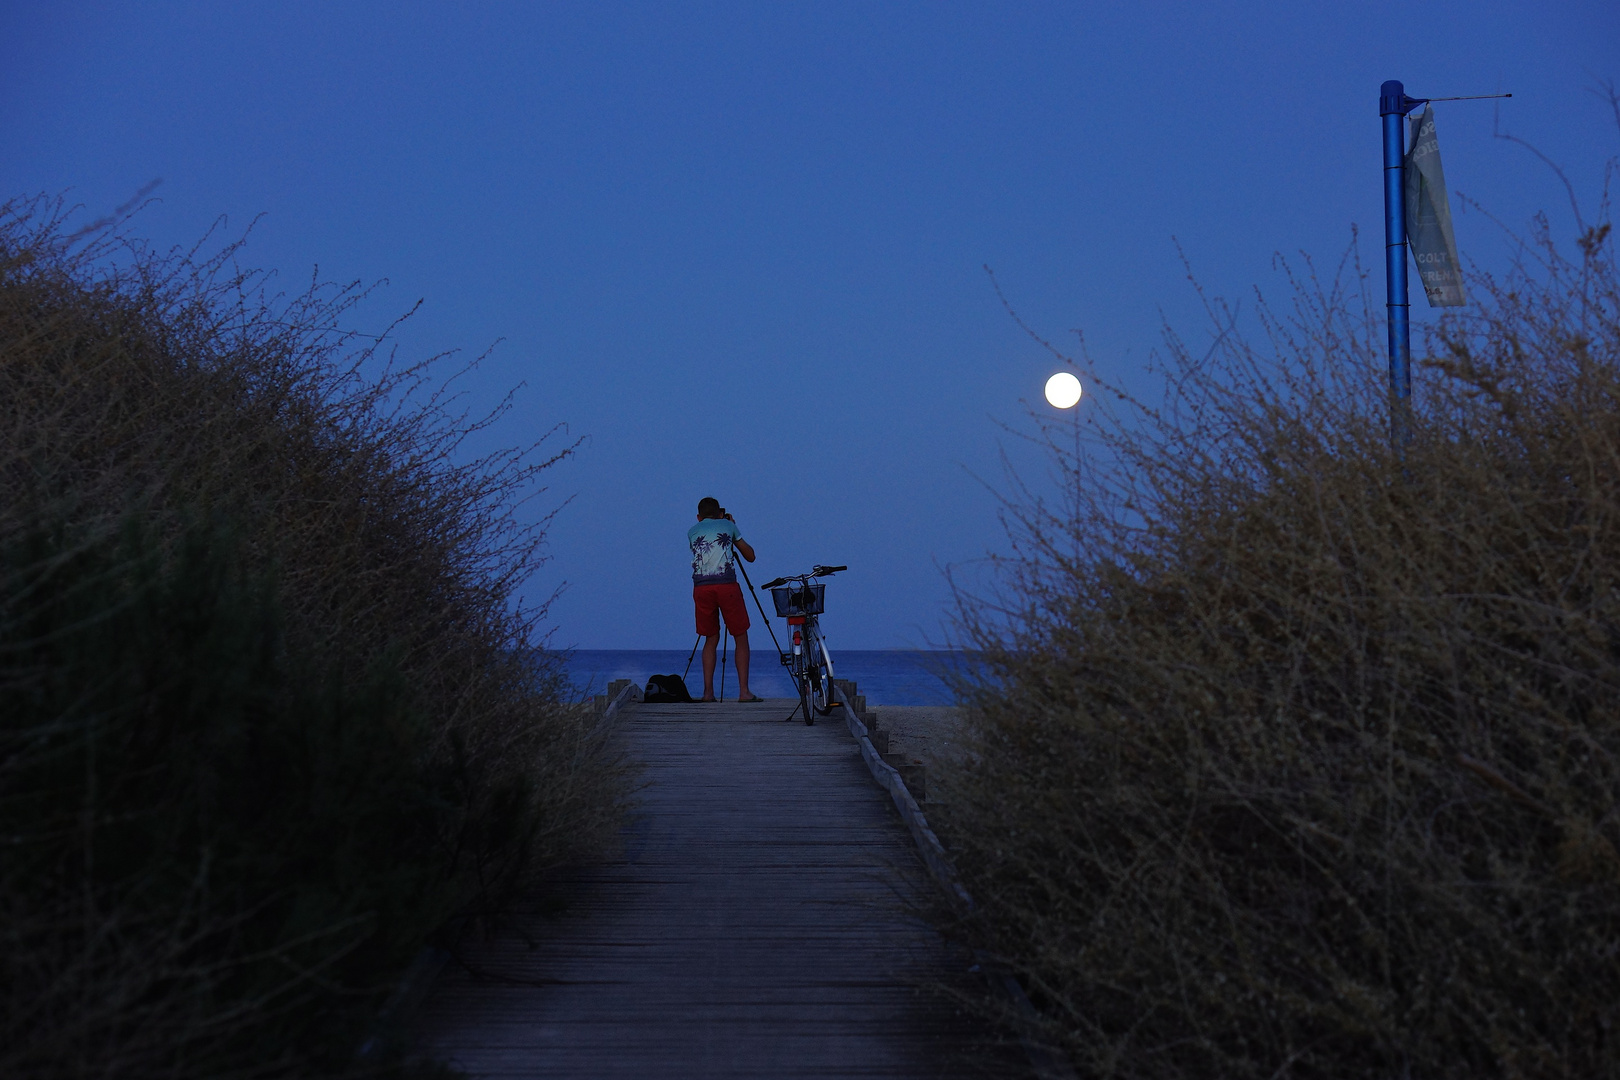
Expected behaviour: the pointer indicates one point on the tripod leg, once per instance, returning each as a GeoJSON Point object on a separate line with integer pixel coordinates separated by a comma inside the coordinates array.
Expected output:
{"type": "Point", "coordinates": [689, 656]}
{"type": "Point", "coordinates": [766, 619]}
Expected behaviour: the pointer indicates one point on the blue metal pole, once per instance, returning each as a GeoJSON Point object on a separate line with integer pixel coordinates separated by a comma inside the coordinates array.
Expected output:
{"type": "Point", "coordinates": [1393, 105]}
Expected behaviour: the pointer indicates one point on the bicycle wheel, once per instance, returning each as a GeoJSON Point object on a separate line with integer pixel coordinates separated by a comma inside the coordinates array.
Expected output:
{"type": "Point", "coordinates": [801, 671]}
{"type": "Point", "coordinates": [821, 661]}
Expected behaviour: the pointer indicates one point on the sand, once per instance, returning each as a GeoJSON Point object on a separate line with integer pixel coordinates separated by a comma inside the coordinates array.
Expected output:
{"type": "Point", "coordinates": [919, 731]}
{"type": "Point", "coordinates": [924, 733]}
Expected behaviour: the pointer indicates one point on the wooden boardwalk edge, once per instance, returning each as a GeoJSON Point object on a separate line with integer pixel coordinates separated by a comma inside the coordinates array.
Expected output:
{"type": "Point", "coordinates": [928, 844]}
{"type": "Point", "coordinates": [627, 693]}
{"type": "Point", "coordinates": [1048, 1062]}
{"type": "Point", "coordinates": [388, 1031]}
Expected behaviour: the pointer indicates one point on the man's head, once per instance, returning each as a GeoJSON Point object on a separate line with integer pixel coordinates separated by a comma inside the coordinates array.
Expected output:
{"type": "Point", "coordinates": [710, 508]}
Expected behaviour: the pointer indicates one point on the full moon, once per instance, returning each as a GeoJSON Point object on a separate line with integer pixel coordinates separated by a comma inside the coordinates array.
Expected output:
{"type": "Point", "coordinates": [1063, 390]}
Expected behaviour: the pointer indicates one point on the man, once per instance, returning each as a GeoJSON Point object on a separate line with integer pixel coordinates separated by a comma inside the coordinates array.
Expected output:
{"type": "Point", "coordinates": [715, 592]}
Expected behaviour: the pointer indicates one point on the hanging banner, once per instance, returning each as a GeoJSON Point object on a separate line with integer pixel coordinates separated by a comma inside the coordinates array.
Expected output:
{"type": "Point", "coordinates": [1428, 218]}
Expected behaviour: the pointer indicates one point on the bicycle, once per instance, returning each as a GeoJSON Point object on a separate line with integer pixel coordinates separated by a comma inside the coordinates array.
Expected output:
{"type": "Point", "coordinates": [799, 600]}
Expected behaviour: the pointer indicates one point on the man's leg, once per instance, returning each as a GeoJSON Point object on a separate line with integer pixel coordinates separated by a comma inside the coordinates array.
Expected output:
{"type": "Point", "coordinates": [735, 609]}
{"type": "Point", "coordinates": [711, 645]}
{"type": "Point", "coordinates": [741, 638]}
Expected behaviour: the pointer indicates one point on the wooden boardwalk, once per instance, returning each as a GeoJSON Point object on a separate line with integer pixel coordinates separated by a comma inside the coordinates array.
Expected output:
{"type": "Point", "coordinates": [756, 925]}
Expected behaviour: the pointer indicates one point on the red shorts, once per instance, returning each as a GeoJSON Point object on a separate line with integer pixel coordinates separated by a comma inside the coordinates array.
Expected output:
{"type": "Point", "coordinates": [712, 601]}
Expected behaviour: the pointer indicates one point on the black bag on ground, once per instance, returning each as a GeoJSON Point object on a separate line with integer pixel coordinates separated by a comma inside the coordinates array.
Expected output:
{"type": "Point", "coordinates": [667, 688]}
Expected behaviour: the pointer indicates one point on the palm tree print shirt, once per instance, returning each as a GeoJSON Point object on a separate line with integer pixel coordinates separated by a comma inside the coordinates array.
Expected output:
{"type": "Point", "coordinates": [711, 541]}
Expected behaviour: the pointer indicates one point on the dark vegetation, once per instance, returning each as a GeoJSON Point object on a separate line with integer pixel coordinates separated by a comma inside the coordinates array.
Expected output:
{"type": "Point", "coordinates": [269, 719]}
{"type": "Point", "coordinates": [1298, 759]}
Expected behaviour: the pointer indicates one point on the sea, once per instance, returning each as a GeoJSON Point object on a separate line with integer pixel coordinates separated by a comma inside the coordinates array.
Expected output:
{"type": "Point", "coordinates": [884, 676]}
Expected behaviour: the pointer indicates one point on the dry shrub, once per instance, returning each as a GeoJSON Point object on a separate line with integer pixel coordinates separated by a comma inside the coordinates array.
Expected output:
{"type": "Point", "coordinates": [1295, 758]}
{"type": "Point", "coordinates": [269, 717]}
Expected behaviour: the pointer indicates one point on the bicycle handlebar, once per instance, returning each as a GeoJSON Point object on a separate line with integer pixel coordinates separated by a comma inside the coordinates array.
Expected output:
{"type": "Point", "coordinates": [816, 571]}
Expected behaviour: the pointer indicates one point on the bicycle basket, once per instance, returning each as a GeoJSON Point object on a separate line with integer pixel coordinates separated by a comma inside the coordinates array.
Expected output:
{"type": "Point", "coordinates": [797, 599]}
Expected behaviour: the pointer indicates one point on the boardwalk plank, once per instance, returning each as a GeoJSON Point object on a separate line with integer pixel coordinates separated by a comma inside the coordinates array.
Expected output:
{"type": "Point", "coordinates": [756, 924]}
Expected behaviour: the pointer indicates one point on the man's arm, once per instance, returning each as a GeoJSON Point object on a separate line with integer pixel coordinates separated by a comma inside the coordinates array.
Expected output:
{"type": "Point", "coordinates": [740, 544]}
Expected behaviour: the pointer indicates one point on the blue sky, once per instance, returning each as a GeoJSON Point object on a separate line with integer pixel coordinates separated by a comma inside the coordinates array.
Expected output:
{"type": "Point", "coordinates": [738, 247]}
